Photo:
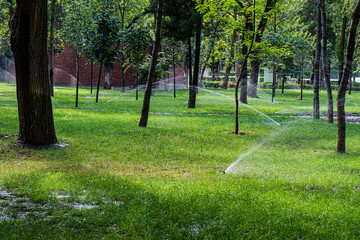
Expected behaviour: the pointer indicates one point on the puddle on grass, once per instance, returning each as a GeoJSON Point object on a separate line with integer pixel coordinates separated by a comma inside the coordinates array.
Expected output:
{"type": "Point", "coordinates": [13, 207]}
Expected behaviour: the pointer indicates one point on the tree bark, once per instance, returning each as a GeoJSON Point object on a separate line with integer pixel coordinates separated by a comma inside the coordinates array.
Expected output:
{"type": "Point", "coordinates": [151, 76]}
{"type": "Point", "coordinates": [29, 45]}
{"type": "Point", "coordinates": [273, 85]}
{"type": "Point", "coordinates": [107, 83]}
{"type": "Point", "coordinates": [316, 112]}
{"type": "Point", "coordinates": [342, 45]}
{"type": "Point", "coordinates": [51, 47]}
{"type": "Point", "coordinates": [77, 80]}
{"type": "Point", "coordinates": [325, 64]}
{"type": "Point", "coordinates": [350, 49]}
{"type": "Point", "coordinates": [98, 83]}
{"type": "Point", "coordinates": [194, 85]}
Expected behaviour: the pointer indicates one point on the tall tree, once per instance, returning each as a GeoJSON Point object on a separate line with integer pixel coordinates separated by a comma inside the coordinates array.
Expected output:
{"type": "Point", "coordinates": [29, 28]}
{"type": "Point", "coordinates": [152, 71]}
{"type": "Point", "coordinates": [325, 62]}
{"type": "Point", "coordinates": [350, 49]}
{"type": "Point", "coordinates": [255, 63]}
{"type": "Point", "coordinates": [317, 61]}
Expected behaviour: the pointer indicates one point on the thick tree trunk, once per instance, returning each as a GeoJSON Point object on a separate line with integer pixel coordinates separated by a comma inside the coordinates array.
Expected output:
{"type": "Point", "coordinates": [29, 45]}
{"type": "Point", "coordinates": [325, 63]}
{"type": "Point", "coordinates": [151, 76]}
{"type": "Point", "coordinates": [255, 64]}
{"type": "Point", "coordinates": [51, 47]}
{"type": "Point", "coordinates": [350, 49]}
{"type": "Point", "coordinates": [316, 113]}
{"type": "Point", "coordinates": [254, 76]}
{"type": "Point", "coordinates": [245, 52]}
{"type": "Point", "coordinates": [193, 87]}
{"type": "Point", "coordinates": [107, 83]}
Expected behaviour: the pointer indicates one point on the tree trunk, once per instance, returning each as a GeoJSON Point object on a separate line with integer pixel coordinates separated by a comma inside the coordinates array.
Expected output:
{"type": "Point", "coordinates": [255, 64]}
{"type": "Point", "coordinates": [350, 49]}
{"type": "Point", "coordinates": [107, 83]}
{"type": "Point", "coordinates": [342, 45]}
{"type": "Point", "coordinates": [173, 59]}
{"type": "Point", "coordinates": [77, 79]}
{"type": "Point", "coordinates": [316, 113]}
{"type": "Point", "coordinates": [151, 76]}
{"type": "Point", "coordinates": [51, 47]}
{"type": "Point", "coordinates": [29, 45]}
{"type": "Point", "coordinates": [193, 87]}
{"type": "Point", "coordinates": [273, 85]}
{"type": "Point", "coordinates": [98, 83]}
{"type": "Point", "coordinates": [325, 63]}
{"type": "Point", "coordinates": [254, 76]}
{"type": "Point", "coordinates": [244, 52]}
{"type": "Point", "coordinates": [91, 75]}
{"type": "Point", "coordinates": [230, 65]}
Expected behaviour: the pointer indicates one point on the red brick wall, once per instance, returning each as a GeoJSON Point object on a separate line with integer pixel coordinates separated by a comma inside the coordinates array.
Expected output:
{"type": "Point", "coordinates": [65, 71]}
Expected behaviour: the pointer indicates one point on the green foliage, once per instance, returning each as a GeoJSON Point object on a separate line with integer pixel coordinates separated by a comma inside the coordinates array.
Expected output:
{"type": "Point", "coordinates": [136, 45]}
{"type": "Point", "coordinates": [5, 48]}
{"type": "Point", "coordinates": [78, 24]}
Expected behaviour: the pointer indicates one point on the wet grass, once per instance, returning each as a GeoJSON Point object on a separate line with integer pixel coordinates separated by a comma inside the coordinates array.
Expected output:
{"type": "Point", "coordinates": [118, 181]}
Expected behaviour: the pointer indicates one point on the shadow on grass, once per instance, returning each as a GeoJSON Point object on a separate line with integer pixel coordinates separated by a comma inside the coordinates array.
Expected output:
{"type": "Point", "coordinates": [230, 207]}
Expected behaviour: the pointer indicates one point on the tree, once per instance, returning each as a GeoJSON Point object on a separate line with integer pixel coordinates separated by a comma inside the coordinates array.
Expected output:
{"type": "Point", "coordinates": [182, 21]}
{"type": "Point", "coordinates": [350, 49]}
{"type": "Point", "coordinates": [255, 63]}
{"type": "Point", "coordinates": [151, 76]}
{"type": "Point", "coordinates": [136, 39]}
{"type": "Point", "coordinates": [77, 26]}
{"type": "Point", "coordinates": [317, 64]}
{"type": "Point", "coordinates": [29, 45]}
{"type": "Point", "coordinates": [104, 41]}
{"type": "Point", "coordinates": [325, 61]}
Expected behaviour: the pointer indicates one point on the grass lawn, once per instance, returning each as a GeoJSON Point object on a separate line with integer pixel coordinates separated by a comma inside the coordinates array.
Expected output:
{"type": "Point", "coordinates": [115, 180]}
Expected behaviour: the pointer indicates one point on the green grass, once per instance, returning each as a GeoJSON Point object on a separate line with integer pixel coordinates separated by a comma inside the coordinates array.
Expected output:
{"type": "Point", "coordinates": [116, 180]}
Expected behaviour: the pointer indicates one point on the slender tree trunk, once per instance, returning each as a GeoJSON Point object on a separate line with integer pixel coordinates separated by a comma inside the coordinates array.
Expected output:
{"type": "Point", "coordinates": [232, 54]}
{"type": "Point", "coordinates": [151, 76]}
{"type": "Point", "coordinates": [98, 83]}
{"type": "Point", "coordinates": [302, 79]}
{"type": "Point", "coordinates": [173, 58]}
{"type": "Point", "coordinates": [206, 61]}
{"type": "Point", "coordinates": [29, 28]}
{"type": "Point", "coordinates": [342, 44]}
{"type": "Point", "coordinates": [325, 63]}
{"type": "Point", "coordinates": [273, 85]}
{"type": "Point", "coordinates": [91, 75]}
{"type": "Point", "coordinates": [283, 84]}
{"type": "Point", "coordinates": [77, 79]}
{"type": "Point", "coordinates": [51, 47]}
{"type": "Point", "coordinates": [350, 49]}
{"type": "Point", "coordinates": [316, 113]}
{"type": "Point", "coordinates": [193, 87]}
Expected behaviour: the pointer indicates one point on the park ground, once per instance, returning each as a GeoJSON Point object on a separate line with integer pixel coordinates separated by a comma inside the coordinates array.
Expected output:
{"type": "Point", "coordinates": [110, 179]}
